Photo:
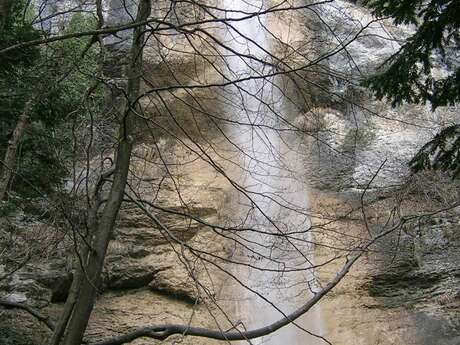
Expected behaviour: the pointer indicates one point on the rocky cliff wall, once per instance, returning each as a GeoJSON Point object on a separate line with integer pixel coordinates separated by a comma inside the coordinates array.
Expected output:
{"type": "Point", "coordinates": [404, 292]}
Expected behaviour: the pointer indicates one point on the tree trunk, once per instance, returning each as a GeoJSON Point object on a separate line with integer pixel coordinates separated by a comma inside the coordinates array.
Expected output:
{"type": "Point", "coordinates": [5, 9]}
{"type": "Point", "coordinates": [103, 231]}
{"type": "Point", "coordinates": [69, 304]}
{"type": "Point", "coordinates": [9, 161]}
{"type": "Point", "coordinates": [78, 271]}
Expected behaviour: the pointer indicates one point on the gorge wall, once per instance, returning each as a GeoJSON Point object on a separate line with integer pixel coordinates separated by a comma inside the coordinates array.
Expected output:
{"type": "Point", "coordinates": [403, 292]}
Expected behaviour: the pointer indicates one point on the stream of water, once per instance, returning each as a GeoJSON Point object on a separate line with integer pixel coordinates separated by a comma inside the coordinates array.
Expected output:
{"type": "Point", "coordinates": [276, 201]}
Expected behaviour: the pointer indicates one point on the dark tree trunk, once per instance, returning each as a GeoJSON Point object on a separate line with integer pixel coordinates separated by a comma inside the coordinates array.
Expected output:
{"type": "Point", "coordinates": [9, 160]}
{"type": "Point", "coordinates": [93, 263]}
{"type": "Point", "coordinates": [5, 9]}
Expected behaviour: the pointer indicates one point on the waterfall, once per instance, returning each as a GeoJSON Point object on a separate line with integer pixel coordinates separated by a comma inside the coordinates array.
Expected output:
{"type": "Point", "coordinates": [277, 199]}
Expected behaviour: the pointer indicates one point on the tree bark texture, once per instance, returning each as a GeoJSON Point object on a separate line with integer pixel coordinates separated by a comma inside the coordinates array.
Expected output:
{"type": "Point", "coordinates": [93, 263]}
{"type": "Point", "coordinates": [9, 161]}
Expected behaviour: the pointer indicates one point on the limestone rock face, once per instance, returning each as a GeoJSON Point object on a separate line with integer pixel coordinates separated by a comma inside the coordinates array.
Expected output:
{"type": "Point", "coordinates": [407, 290]}
{"type": "Point", "coordinates": [177, 283]}
{"type": "Point", "coordinates": [54, 278]}
{"type": "Point", "coordinates": [141, 253]}
{"type": "Point", "coordinates": [144, 253]}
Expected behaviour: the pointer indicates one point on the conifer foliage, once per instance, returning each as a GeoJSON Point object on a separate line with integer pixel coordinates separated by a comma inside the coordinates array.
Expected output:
{"type": "Point", "coordinates": [408, 76]}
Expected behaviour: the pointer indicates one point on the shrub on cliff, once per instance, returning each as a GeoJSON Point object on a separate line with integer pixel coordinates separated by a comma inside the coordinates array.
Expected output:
{"type": "Point", "coordinates": [408, 76]}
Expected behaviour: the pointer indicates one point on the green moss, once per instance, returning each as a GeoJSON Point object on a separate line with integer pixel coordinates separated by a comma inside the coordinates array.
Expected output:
{"type": "Point", "coordinates": [358, 137]}
{"type": "Point", "coordinates": [9, 206]}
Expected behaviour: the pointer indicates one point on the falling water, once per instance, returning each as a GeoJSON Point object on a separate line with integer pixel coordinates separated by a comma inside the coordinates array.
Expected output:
{"type": "Point", "coordinates": [271, 166]}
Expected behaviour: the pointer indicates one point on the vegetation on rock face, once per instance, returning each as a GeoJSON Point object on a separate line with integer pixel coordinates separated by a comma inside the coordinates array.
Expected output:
{"type": "Point", "coordinates": [442, 152]}
{"type": "Point", "coordinates": [44, 89]}
{"type": "Point", "coordinates": [410, 76]}
{"type": "Point", "coordinates": [358, 137]}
